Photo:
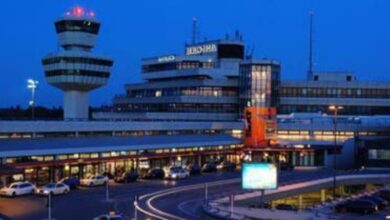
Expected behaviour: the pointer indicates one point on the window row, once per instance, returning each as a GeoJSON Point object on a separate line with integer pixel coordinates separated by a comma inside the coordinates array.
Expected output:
{"type": "Point", "coordinates": [176, 66]}
{"type": "Point", "coordinates": [335, 92]}
{"type": "Point", "coordinates": [77, 25]}
{"type": "Point", "coordinates": [192, 91]}
{"type": "Point", "coordinates": [347, 110]}
{"type": "Point", "coordinates": [77, 72]}
{"type": "Point", "coordinates": [180, 107]}
{"type": "Point", "coordinates": [83, 60]}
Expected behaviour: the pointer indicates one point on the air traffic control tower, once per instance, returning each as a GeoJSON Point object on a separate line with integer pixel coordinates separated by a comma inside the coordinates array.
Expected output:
{"type": "Point", "coordinates": [76, 69]}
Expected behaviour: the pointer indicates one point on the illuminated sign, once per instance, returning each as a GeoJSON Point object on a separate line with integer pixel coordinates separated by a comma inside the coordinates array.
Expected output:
{"type": "Point", "coordinates": [260, 176]}
{"type": "Point", "coordinates": [205, 48]}
{"type": "Point", "coordinates": [166, 58]}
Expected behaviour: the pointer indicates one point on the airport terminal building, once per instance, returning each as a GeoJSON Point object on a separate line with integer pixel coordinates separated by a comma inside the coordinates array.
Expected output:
{"type": "Point", "coordinates": [190, 109]}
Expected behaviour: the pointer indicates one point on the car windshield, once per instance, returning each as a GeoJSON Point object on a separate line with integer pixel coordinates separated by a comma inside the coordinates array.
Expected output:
{"type": "Point", "coordinates": [13, 186]}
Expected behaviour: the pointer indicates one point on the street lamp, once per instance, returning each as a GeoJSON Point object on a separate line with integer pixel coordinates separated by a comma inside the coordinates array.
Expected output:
{"type": "Point", "coordinates": [33, 85]}
{"type": "Point", "coordinates": [335, 109]}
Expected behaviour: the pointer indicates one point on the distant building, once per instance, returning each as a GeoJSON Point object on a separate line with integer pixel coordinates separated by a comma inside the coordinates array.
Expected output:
{"type": "Point", "coordinates": [324, 89]}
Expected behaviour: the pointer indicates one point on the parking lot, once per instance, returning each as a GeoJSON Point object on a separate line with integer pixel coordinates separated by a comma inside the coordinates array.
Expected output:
{"type": "Point", "coordinates": [89, 202]}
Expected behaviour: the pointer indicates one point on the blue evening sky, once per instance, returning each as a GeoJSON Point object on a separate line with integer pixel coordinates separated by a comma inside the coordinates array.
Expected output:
{"type": "Point", "coordinates": [349, 35]}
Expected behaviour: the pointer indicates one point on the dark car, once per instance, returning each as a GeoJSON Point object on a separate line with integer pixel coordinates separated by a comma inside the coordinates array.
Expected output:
{"type": "Point", "coordinates": [194, 169]}
{"type": "Point", "coordinates": [261, 206]}
{"type": "Point", "coordinates": [209, 167]}
{"type": "Point", "coordinates": [384, 194]}
{"type": "Point", "coordinates": [357, 206]}
{"type": "Point", "coordinates": [72, 182]}
{"type": "Point", "coordinates": [286, 166]}
{"type": "Point", "coordinates": [286, 207]}
{"type": "Point", "coordinates": [155, 173]}
{"type": "Point", "coordinates": [380, 202]}
{"type": "Point", "coordinates": [227, 166]}
{"type": "Point", "coordinates": [126, 177]}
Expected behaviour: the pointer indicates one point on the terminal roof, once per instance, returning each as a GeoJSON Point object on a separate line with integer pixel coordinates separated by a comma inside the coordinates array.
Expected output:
{"type": "Point", "coordinates": [54, 146]}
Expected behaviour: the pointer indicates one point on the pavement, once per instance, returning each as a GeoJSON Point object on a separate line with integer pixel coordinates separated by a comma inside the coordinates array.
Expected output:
{"type": "Point", "coordinates": [89, 202]}
{"type": "Point", "coordinates": [188, 204]}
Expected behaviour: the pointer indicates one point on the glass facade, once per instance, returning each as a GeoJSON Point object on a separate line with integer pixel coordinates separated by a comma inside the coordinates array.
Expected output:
{"type": "Point", "coordinates": [178, 107]}
{"type": "Point", "coordinates": [330, 92]}
{"type": "Point", "coordinates": [77, 72]}
{"type": "Point", "coordinates": [259, 85]}
{"type": "Point", "coordinates": [190, 64]}
{"type": "Point", "coordinates": [77, 25]}
{"type": "Point", "coordinates": [189, 91]}
{"type": "Point", "coordinates": [347, 110]}
{"type": "Point", "coordinates": [83, 60]}
{"type": "Point", "coordinates": [379, 154]}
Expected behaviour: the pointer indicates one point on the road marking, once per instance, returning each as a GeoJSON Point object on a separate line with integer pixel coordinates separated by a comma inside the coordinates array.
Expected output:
{"type": "Point", "coordinates": [182, 209]}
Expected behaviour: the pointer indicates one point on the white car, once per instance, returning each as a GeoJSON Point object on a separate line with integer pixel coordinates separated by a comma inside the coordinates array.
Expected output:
{"type": "Point", "coordinates": [110, 216]}
{"type": "Point", "coordinates": [17, 189]}
{"type": "Point", "coordinates": [53, 188]}
{"type": "Point", "coordinates": [176, 173]}
{"type": "Point", "coordinates": [94, 181]}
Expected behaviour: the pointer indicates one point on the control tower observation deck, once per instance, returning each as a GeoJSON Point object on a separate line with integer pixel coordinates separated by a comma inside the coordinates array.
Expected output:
{"type": "Point", "coordinates": [75, 69]}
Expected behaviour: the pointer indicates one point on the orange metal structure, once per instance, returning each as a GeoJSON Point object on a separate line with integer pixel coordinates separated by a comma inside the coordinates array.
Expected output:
{"type": "Point", "coordinates": [260, 126]}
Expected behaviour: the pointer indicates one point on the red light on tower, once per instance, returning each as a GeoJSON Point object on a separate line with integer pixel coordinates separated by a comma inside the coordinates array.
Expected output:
{"type": "Point", "coordinates": [78, 11]}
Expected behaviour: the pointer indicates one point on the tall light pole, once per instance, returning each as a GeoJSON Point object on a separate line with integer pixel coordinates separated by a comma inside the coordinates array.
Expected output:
{"type": "Point", "coordinates": [33, 85]}
{"type": "Point", "coordinates": [335, 109]}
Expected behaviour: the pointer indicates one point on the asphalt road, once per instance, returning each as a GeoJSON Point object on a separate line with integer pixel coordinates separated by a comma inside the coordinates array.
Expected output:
{"type": "Point", "coordinates": [188, 204]}
{"type": "Point", "coordinates": [86, 203]}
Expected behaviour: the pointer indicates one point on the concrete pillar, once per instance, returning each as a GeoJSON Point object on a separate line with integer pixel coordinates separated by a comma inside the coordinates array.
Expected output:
{"type": "Point", "coordinates": [370, 187]}
{"type": "Point", "coordinates": [300, 202]}
{"type": "Point", "coordinates": [341, 190]}
{"type": "Point", "coordinates": [323, 195]}
{"type": "Point", "coordinates": [200, 160]}
{"type": "Point", "coordinates": [76, 105]}
{"type": "Point", "coordinates": [273, 205]}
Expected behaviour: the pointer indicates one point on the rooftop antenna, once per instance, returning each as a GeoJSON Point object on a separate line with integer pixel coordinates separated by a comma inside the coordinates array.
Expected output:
{"type": "Point", "coordinates": [194, 30]}
{"type": "Point", "coordinates": [310, 70]}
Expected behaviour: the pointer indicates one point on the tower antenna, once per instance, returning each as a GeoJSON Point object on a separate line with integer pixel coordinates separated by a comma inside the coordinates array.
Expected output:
{"type": "Point", "coordinates": [194, 30]}
{"type": "Point", "coordinates": [310, 70]}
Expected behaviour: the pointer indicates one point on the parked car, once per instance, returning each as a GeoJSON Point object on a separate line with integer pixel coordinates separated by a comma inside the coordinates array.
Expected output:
{"type": "Point", "coordinates": [176, 173]}
{"type": "Point", "coordinates": [261, 206]}
{"type": "Point", "coordinates": [98, 180]}
{"type": "Point", "coordinates": [209, 167]}
{"type": "Point", "coordinates": [384, 194]}
{"type": "Point", "coordinates": [193, 169]}
{"type": "Point", "coordinates": [110, 216]}
{"type": "Point", "coordinates": [17, 189]}
{"type": "Point", "coordinates": [126, 177]}
{"type": "Point", "coordinates": [380, 202]}
{"type": "Point", "coordinates": [226, 166]}
{"type": "Point", "coordinates": [108, 175]}
{"type": "Point", "coordinates": [357, 206]}
{"type": "Point", "coordinates": [53, 188]}
{"type": "Point", "coordinates": [286, 166]}
{"type": "Point", "coordinates": [286, 207]}
{"type": "Point", "coordinates": [155, 173]}
{"type": "Point", "coordinates": [72, 182]}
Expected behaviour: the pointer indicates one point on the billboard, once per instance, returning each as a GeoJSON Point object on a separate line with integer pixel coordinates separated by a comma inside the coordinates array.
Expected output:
{"type": "Point", "coordinates": [259, 176]}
